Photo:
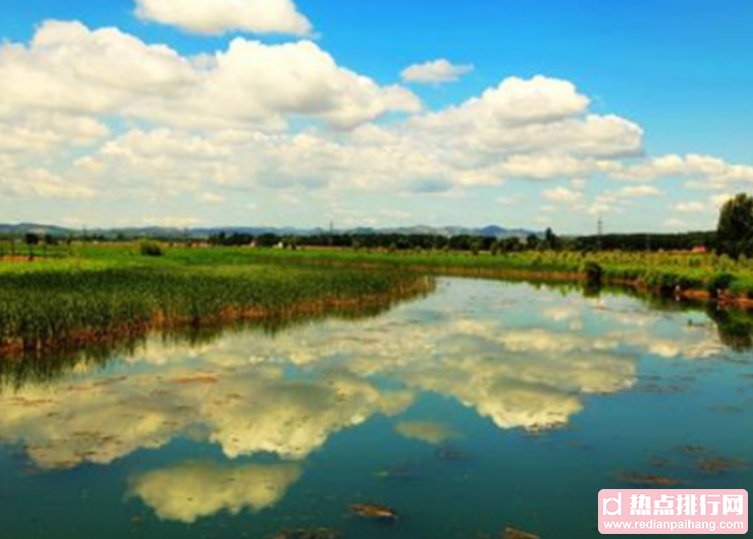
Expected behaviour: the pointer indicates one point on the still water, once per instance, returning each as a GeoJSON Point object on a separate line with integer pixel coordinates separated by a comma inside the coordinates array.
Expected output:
{"type": "Point", "coordinates": [484, 405]}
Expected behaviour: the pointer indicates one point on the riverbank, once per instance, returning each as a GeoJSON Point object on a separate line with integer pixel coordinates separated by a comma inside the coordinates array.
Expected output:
{"type": "Point", "coordinates": [703, 277]}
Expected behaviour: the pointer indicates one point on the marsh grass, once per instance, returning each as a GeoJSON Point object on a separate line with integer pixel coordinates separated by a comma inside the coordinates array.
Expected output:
{"type": "Point", "coordinates": [113, 295]}
{"type": "Point", "coordinates": [663, 273]}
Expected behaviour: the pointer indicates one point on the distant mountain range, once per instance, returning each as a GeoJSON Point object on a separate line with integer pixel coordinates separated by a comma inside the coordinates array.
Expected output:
{"type": "Point", "coordinates": [491, 231]}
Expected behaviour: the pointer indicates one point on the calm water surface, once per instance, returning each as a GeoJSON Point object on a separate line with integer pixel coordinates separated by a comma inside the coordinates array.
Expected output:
{"type": "Point", "coordinates": [484, 405]}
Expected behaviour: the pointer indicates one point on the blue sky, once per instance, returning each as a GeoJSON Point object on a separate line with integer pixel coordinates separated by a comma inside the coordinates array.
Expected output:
{"type": "Point", "coordinates": [680, 71]}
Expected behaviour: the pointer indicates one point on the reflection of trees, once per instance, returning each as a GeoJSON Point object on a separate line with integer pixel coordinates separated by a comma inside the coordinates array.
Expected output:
{"type": "Point", "coordinates": [735, 327]}
{"type": "Point", "coordinates": [41, 369]}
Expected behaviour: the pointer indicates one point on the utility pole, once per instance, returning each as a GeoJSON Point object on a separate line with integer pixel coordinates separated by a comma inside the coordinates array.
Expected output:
{"type": "Point", "coordinates": [600, 232]}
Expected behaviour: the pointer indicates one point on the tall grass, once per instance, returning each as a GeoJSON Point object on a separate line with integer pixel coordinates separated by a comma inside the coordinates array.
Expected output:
{"type": "Point", "coordinates": [53, 304]}
{"type": "Point", "coordinates": [662, 272]}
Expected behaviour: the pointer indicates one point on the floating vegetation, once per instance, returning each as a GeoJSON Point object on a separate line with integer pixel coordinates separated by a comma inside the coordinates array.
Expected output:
{"type": "Point", "coordinates": [400, 472]}
{"type": "Point", "coordinates": [727, 409]}
{"type": "Point", "coordinates": [199, 379]}
{"type": "Point", "coordinates": [515, 533]}
{"type": "Point", "coordinates": [577, 444]}
{"type": "Point", "coordinates": [692, 449]}
{"type": "Point", "coordinates": [308, 533]}
{"type": "Point", "coordinates": [663, 389]}
{"type": "Point", "coordinates": [452, 454]}
{"type": "Point", "coordinates": [373, 512]}
{"type": "Point", "coordinates": [660, 462]}
{"type": "Point", "coordinates": [648, 479]}
{"type": "Point", "coordinates": [714, 465]}
{"type": "Point", "coordinates": [700, 459]}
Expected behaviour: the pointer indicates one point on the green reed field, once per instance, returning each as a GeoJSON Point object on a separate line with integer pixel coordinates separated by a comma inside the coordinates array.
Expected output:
{"type": "Point", "coordinates": [84, 294]}
{"type": "Point", "coordinates": [103, 293]}
{"type": "Point", "coordinates": [656, 272]}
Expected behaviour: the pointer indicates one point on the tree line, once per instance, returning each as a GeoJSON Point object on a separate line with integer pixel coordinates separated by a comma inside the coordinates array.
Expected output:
{"type": "Point", "coordinates": [733, 237]}
{"type": "Point", "coordinates": [548, 241]}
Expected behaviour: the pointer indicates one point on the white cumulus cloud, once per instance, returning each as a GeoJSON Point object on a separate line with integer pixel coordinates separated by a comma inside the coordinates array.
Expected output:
{"type": "Point", "coordinates": [99, 113]}
{"type": "Point", "coordinates": [562, 194]}
{"type": "Point", "coordinates": [691, 207]}
{"type": "Point", "coordinates": [70, 69]}
{"type": "Point", "coordinates": [252, 83]}
{"type": "Point", "coordinates": [435, 72]}
{"type": "Point", "coordinates": [215, 17]}
{"type": "Point", "coordinates": [639, 191]}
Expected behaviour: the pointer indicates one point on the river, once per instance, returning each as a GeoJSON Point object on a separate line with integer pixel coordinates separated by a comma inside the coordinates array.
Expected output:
{"type": "Point", "coordinates": [482, 406]}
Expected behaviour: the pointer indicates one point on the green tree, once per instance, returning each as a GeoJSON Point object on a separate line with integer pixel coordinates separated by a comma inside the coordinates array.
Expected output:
{"type": "Point", "coordinates": [551, 241]}
{"type": "Point", "coordinates": [496, 248]}
{"type": "Point", "coordinates": [31, 239]}
{"type": "Point", "coordinates": [150, 248]}
{"type": "Point", "coordinates": [735, 228]}
{"type": "Point", "coordinates": [476, 246]}
{"type": "Point", "coordinates": [532, 242]}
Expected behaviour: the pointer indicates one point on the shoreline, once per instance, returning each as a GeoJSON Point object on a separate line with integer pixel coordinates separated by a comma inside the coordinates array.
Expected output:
{"type": "Point", "coordinates": [723, 298]}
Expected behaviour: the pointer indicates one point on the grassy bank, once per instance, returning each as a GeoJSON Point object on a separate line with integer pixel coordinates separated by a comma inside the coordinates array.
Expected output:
{"type": "Point", "coordinates": [660, 272]}
{"type": "Point", "coordinates": [696, 275]}
{"type": "Point", "coordinates": [112, 294]}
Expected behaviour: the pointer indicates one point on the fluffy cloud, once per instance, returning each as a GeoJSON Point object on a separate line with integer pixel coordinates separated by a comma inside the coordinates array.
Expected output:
{"type": "Point", "coordinates": [213, 17]}
{"type": "Point", "coordinates": [253, 84]}
{"type": "Point", "coordinates": [606, 201]}
{"type": "Point", "coordinates": [701, 168]}
{"type": "Point", "coordinates": [188, 492]}
{"type": "Point", "coordinates": [562, 194]}
{"type": "Point", "coordinates": [639, 191]}
{"type": "Point", "coordinates": [435, 72]}
{"type": "Point", "coordinates": [514, 102]}
{"type": "Point", "coordinates": [113, 116]}
{"type": "Point", "coordinates": [210, 198]}
{"type": "Point", "coordinates": [39, 183]}
{"type": "Point", "coordinates": [69, 69]}
{"type": "Point", "coordinates": [40, 132]}
{"type": "Point", "coordinates": [519, 101]}
{"type": "Point", "coordinates": [691, 207]}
